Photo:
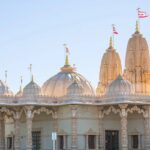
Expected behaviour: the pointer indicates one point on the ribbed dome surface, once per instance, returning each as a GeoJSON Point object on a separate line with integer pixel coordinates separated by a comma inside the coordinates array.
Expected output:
{"type": "Point", "coordinates": [32, 89]}
{"type": "Point", "coordinates": [75, 89]}
{"type": "Point", "coordinates": [119, 87]}
{"type": "Point", "coordinates": [57, 85]}
{"type": "Point", "coordinates": [4, 89]}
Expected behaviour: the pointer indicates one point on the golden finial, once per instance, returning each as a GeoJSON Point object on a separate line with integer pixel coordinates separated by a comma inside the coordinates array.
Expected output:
{"type": "Point", "coordinates": [66, 57]}
{"type": "Point", "coordinates": [6, 76]}
{"type": "Point", "coordinates": [111, 42]}
{"type": "Point", "coordinates": [137, 26]}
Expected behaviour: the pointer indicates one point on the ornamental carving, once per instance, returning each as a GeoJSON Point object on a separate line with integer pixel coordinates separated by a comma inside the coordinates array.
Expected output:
{"type": "Point", "coordinates": [47, 111]}
{"type": "Point", "coordinates": [109, 110]}
{"type": "Point", "coordinates": [8, 112]}
{"type": "Point", "coordinates": [136, 109]}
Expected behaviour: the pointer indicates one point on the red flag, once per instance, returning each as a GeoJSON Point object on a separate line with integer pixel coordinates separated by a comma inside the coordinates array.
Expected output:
{"type": "Point", "coordinates": [114, 29]}
{"type": "Point", "coordinates": [67, 50]}
{"type": "Point", "coordinates": [142, 14]}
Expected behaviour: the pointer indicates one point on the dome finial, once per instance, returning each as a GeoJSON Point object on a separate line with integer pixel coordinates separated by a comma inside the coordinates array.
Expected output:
{"type": "Point", "coordinates": [110, 42]}
{"type": "Point", "coordinates": [137, 27]}
{"type": "Point", "coordinates": [66, 57]}
{"type": "Point", "coordinates": [6, 76]}
{"type": "Point", "coordinates": [31, 73]}
{"type": "Point", "coordinates": [21, 83]}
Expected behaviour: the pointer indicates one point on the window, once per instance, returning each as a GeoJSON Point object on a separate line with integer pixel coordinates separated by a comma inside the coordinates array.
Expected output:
{"type": "Point", "coordinates": [135, 141]}
{"type": "Point", "coordinates": [91, 141]}
{"type": "Point", "coordinates": [36, 140]}
{"type": "Point", "coordinates": [9, 142]}
{"type": "Point", "coordinates": [61, 142]}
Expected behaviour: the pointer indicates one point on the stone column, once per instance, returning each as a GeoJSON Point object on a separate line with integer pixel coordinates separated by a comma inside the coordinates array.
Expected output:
{"type": "Point", "coordinates": [101, 132]}
{"type": "Point", "coordinates": [2, 132]}
{"type": "Point", "coordinates": [124, 131]}
{"type": "Point", "coordinates": [97, 142]}
{"type": "Point", "coordinates": [17, 130]}
{"type": "Point", "coordinates": [29, 117]}
{"type": "Point", "coordinates": [86, 142]}
{"type": "Point", "coordinates": [147, 128]}
{"type": "Point", "coordinates": [74, 127]}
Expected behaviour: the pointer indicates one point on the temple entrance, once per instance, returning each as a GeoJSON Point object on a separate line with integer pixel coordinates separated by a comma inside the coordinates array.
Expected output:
{"type": "Point", "coordinates": [111, 140]}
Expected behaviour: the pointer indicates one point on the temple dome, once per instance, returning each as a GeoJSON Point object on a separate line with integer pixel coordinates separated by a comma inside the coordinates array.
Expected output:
{"type": "Point", "coordinates": [31, 89]}
{"type": "Point", "coordinates": [57, 85]}
{"type": "Point", "coordinates": [119, 87]}
{"type": "Point", "coordinates": [4, 89]}
{"type": "Point", "coordinates": [75, 89]}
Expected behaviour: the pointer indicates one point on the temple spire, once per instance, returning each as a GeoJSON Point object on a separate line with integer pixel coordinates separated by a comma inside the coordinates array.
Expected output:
{"type": "Point", "coordinates": [137, 29]}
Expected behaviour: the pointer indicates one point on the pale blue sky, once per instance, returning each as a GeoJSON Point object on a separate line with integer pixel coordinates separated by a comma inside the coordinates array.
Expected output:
{"type": "Point", "coordinates": [33, 31]}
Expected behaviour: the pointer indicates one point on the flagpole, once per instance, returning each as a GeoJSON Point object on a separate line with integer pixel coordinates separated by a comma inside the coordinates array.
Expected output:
{"type": "Point", "coordinates": [113, 37]}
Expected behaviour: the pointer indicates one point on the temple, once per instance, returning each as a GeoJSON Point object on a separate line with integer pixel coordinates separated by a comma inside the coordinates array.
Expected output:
{"type": "Point", "coordinates": [115, 116]}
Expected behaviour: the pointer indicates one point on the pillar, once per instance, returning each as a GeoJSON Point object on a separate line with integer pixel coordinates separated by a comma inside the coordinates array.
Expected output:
{"type": "Point", "coordinates": [101, 132]}
{"type": "Point", "coordinates": [74, 128]}
{"type": "Point", "coordinates": [124, 131]}
{"type": "Point", "coordinates": [29, 117]}
{"type": "Point", "coordinates": [17, 131]}
{"type": "Point", "coordinates": [147, 128]}
{"type": "Point", "coordinates": [2, 132]}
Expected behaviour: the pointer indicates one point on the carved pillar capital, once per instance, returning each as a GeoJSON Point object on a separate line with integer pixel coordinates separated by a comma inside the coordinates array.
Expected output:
{"type": "Point", "coordinates": [100, 112]}
{"type": "Point", "coordinates": [74, 109]}
{"type": "Point", "coordinates": [29, 112]}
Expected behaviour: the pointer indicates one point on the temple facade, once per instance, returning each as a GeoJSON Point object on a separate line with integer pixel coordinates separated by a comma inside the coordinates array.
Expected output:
{"type": "Point", "coordinates": [115, 116]}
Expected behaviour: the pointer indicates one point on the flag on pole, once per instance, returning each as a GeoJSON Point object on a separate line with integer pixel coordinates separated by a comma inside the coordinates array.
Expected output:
{"type": "Point", "coordinates": [67, 49]}
{"type": "Point", "coordinates": [141, 14]}
{"type": "Point", "coordinates": [114, 29]}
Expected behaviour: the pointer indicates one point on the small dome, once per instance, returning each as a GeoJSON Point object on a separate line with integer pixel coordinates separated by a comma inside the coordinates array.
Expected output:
{"type": "Point", "coordinates": [20, 92]}
{"type": "Point", "coordinates": [57, 85]}
{"type": "Point", "coordinates": [119, 87]}
{"type": "Point", "coordinates": [75, 89]}
{"type": "Point", "coordinates": [32, 89]}
{"type": "Point", "coordinates": [4, 89]}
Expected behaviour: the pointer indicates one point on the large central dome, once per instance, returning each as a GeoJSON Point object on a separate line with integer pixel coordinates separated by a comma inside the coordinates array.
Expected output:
{"type": "Point", "coordinates": [57, 85]}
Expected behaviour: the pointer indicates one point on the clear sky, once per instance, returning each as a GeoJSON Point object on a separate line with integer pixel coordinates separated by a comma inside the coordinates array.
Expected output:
{"type": "Point", "coordinates": [34, 31]}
